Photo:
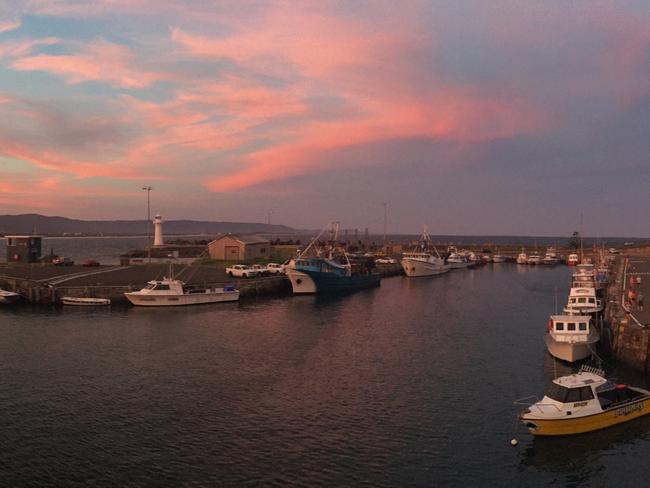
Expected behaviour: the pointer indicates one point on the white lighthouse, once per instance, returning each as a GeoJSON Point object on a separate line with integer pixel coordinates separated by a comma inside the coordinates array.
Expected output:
{"type": "Point", "coordinates": [158, 235]}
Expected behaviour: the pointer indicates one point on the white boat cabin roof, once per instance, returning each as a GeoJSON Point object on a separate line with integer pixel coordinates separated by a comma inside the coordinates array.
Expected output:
{"type": "Point", "coordinates": [579, 380]}
{"type": "Point", "coordinates": [582, 292]}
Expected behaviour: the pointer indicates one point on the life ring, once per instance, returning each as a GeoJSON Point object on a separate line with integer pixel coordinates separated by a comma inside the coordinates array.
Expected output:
{"type": "Point", "coordinates": [549, 324]}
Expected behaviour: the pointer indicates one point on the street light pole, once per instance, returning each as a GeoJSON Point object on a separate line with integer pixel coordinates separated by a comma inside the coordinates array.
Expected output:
{"type": "Point", "coordinates": [148, 190]}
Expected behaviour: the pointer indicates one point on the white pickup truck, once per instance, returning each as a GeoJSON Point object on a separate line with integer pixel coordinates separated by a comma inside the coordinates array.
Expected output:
{"type": "Point", "coordinates": [241, 271]}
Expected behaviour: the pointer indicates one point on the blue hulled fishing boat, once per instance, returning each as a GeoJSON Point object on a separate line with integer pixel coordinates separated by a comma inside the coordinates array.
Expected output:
{"type": "Point", "coordinates": [312, 272]}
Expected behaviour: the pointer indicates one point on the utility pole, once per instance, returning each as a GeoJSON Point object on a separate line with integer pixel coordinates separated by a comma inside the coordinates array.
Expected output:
{"type": "Point", "coordinates": [148, 190]}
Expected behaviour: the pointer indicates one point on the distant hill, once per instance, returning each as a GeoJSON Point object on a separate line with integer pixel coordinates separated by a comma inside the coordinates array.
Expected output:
{"type": "Point", "coordinates": [57, 226]}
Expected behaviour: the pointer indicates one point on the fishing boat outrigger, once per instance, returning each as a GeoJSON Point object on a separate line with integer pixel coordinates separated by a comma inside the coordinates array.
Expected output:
{"type": "Point", "coordinates": [584, 402]}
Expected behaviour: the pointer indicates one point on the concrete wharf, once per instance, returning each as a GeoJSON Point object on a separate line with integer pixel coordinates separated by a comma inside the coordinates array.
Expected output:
{"type": "Point", "coordinates": [629, 323]}
{"type": "Point", "coordinates": [47, 283]}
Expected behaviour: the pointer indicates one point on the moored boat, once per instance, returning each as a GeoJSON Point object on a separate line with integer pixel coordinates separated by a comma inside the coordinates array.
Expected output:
{"type": "Point", "coordinates": [169, 292]}
{"type": "Point", "coordinates": [571, 337]}
{"type": "Point", "coordinates": [422, 261]}
{"type": "Point", "coordinates": [456, 260]}
{"type": "Point", "coordinates": [534, 259]}
{"type": "Point", "coordinates": [522, 257]}
{"type": "Point", "coordinates": [550, 258]}
{"type": "Point", "coordinates": [583, 301]}
{"type": "Point", "coordinates": [7, 297]}
{"type": "Point", "coordinates": [584, 402]}
{"type": "Point", "coordinates": [573, 259]}
{"type": "Point", "coordinates": [85, 301]}
{"type": "Point", "coordinates": [312, 272]}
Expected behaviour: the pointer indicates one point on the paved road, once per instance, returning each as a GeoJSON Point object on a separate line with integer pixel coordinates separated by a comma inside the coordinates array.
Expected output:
{"type": "Point", "coordinates": [639, 267]}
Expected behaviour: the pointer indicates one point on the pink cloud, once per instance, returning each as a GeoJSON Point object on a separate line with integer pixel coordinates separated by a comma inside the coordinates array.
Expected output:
{"type": "Point", "coordinates": [9, 25]}
{"type": "Point", "coordinates": [99, 61]}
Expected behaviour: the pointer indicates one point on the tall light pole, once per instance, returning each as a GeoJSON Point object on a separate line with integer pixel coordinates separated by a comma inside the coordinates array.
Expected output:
{"type": "Point", "coordinates": [148, 190]}
{"type": "Point", "coordinates": [385, 223]}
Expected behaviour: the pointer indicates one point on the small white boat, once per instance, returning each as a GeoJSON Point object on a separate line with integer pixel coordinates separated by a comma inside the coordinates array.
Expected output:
{"type": "Point", "coordinates": [169, 292]}
{"type": "Point", "coordinates": [522, 258]}
{"type": "Point", "coordinates": [534, 259]}
{"type": "Point", "coordinates": [550, 258]}
{"type": "Point", "coordinates": [8, 296]}
{"type": "Point", "coordinates": [85, 302]}
{"type": "Point", "coordinates": [584, 402]}
{"type": "Point", "coordinates": [498, 258]}
{"type": "Point", "coordinates": [571, 337]}
{"type": "Point", "coordinates": [456, 260]}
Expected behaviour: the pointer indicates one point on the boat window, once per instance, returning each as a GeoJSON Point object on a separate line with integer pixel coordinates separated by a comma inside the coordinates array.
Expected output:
{"type": "Point", "coordinates": [571, 326]}
{"type": "Point", "coordinates": [582, 300]}
{"type": "Point", "coordinates": [150, 286]}
{"type": "Point", "coordinates": [582, 326]}
{"type": "Point", "coordinates": [586, 393]}
{"type": "Point", "coordinates": [557, 393]}
{"type": "Point", "coordinates": [591, 300]}
{"type": "Point", "coordinates": [573, 395]}
{"type": "Point", "coordinates": [161, 287]}
{"type": "Point", "coordinates": [559, 325]}
{"type": "Point", "coordinates": [573, 300]}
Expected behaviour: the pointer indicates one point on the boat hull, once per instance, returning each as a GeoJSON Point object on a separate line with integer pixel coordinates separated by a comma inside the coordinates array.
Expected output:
{"type": "Point", "coordinates": [457, 265]}
{"type": "Point", "coordinates": [570, 352]}
{"type": "Point", "coordinates": [579, 425]}
{"type": "Point", "coordinates": [148, 300]}
{"type": "Point", "coordinates": [85, 302]}
{"type": "Point", "coordinates": [414, 268]}
{"type": "Point", "coordinates": [8, 297]}
{"type": "Point", "coordinates": [333, 283]}
{"type": "Point", "coordinates": [301, 282]}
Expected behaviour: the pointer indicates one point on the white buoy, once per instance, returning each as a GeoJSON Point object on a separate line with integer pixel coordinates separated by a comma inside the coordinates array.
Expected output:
{"type": "Point", "coordinates": [514, 442]}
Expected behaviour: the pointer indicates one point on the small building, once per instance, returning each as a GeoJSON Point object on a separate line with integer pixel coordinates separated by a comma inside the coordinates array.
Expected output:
{"type": "Point", "coordinates": [24, 249]}
{"type": "Point", "coordinates": [231, 247]}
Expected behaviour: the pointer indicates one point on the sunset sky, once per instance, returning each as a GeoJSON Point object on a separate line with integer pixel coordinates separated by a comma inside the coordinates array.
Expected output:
{"type": "Point", "coordinates": [473, 117]}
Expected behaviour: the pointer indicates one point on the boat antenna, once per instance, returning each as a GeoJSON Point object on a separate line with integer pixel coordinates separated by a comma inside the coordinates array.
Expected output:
{"type": "Point", "coordinates": [555, 300]}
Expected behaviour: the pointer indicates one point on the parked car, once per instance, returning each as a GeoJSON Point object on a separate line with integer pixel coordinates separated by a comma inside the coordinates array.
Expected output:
{"type": "Point", "coordinates": [241, 271]}
{"type": "Point", "coordinates": [62, 261]}
{"type": "Point", "coordinates": [89, 262]}
{"type": "Point", "coordinates": [385, 260]}
{"type": "Point", "coordinates": [261, 270]}
{"type": "Point", "coordinates": [275, 268]}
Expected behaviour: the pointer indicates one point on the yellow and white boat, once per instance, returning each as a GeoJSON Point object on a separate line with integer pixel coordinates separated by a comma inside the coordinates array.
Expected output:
{"type": "Point", "coordinates": [584, 402]}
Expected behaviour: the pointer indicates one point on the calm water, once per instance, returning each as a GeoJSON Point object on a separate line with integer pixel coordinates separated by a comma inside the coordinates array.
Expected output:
{"type": "Point", "coordinates": [410, 384]}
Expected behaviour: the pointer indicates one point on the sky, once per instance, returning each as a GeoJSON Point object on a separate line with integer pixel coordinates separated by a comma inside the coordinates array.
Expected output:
{"type": "Point", "coordinates": [472, 117]}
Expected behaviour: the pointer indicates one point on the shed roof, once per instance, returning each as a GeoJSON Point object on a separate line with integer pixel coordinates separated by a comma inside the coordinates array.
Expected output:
{"type": "Point", "coordinates": [245, 239]}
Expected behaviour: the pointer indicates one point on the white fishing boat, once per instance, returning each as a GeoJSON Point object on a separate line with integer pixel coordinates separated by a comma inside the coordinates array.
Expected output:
{"type": "Point", "coordinates": [85, 301]}
{"type": "Point", "coordinates": [583, 301]}
{"type": "Point", "coordinates": [8, 296]}
{"type": "Point", "coordinates": [584, 402]}
{"type": "Point", "coordinates": [522, 257]}
{"type": "Point", "coordinates": [170, 292]}
{"type": "Point", "coordinates": [424, 260]}
{"type": "Point", "coordinates": [571, 337]}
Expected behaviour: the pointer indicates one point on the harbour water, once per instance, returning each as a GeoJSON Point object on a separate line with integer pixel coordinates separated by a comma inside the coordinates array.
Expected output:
{"type": "Point", "coordinates": [409, 384]}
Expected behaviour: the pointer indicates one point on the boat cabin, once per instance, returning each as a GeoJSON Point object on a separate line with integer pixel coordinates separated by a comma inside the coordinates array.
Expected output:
{"type": "Point", "coordinates": [320, 265]}
{"type": "Point", "coordinates": [570, 328]}
{"type": "Point", "coordinates": [583, 300]}
{"type": "Point", "coordinates": [163, 287]}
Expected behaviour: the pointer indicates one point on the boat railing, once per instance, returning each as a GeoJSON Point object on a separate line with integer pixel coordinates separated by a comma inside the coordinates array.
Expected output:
{"type": "Point", "coordinates": [527, 401]}
{"type": "Point", "coordinates": [591, 369]}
